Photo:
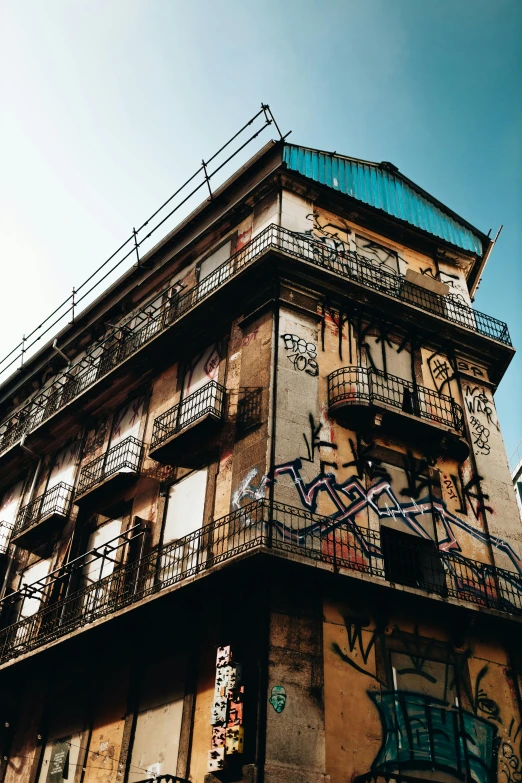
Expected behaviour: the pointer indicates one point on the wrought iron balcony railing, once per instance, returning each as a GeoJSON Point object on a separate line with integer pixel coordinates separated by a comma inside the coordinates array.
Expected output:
{"type": "Point", "coordinates": [54, 502]}
{"type": "Point", "coordinates": [356, 385]}
{"type": "Point", "coordinates": [207, 401]}
{"type": "Point", "coordinates": [124, 457]}
{"type": "Point", "coordinates": [141, 327]}
{"type": "Point", "coordinates": [341, 546]}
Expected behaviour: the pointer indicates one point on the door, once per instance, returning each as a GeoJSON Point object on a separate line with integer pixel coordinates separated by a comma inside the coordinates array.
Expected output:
{"type": "Point", "coordinates": [183, 518]}
{"type": "Point", "coordinates": [211, 272]}
{"type": "Point", "coordinates": [126, 458]}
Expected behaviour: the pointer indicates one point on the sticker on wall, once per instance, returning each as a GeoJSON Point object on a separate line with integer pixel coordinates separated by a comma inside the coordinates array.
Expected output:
{"type": "Point", "coordinates": [226, 715]}
{"type": "Point", "coordinates": [278, 698]}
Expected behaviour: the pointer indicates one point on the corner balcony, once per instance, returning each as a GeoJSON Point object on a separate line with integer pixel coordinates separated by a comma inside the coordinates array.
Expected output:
{"type": "Point", "coordinates": [359, 396]}
{"type": "Point", "coordinates": [40, 519]}
{"type": "Point", "coordinates": [110, 474]}
{"type": "Point", "coordinates": [385, 557]}
{"type": "Point", "coordinates": [179, 435]}
{"type": "Point", "coordinates": [146, 330]}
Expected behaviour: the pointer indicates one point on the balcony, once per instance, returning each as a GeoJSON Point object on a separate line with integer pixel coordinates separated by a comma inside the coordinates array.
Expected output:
{"type": "Point", "coordinates": [6, 532]}
{"type": "Point", "coordinates": [110, 474]}
{"type": "Point", "coordinates": [43, 517]}
{"type": "Point", "coordinates": [180, 435]}
{"type": "Point", "coordinates": [336, 546]}
{"type": "Point", "coordinates": [357, 394]}
{"type": "Point", "coordinates": [143, 328]}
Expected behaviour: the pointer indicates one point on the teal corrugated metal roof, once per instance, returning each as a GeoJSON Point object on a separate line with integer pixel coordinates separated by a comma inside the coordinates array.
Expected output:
{"type": "Point", "coordinates": [383, 189]}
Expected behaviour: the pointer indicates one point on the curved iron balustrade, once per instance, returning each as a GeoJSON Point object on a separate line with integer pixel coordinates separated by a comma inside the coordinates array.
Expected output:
{"type": "Point", "coordinates": [263, 526]}
{"type": "Point", "coordinates": [207, 401]}
{"type": "Point", "coordinates": [124, 456]}
{"type": "Point", "coordinates": [356, 385]}
{"type": "Point", "coordinates": [54, 502]}
{"type": "Point", "coordinates": [141, 327]}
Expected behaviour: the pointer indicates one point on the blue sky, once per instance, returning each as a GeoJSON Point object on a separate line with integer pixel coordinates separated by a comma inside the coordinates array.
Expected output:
{"type": "Point", "coordinates": [107, 105]}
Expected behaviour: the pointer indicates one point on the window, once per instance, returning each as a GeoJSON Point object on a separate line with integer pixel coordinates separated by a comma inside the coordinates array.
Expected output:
{"type": "Point", "coordinates": [26, 607]}
{"type": "Point", "coordinates": [412, 560]}
{"type": "Point", "coordinates": [201, 371]}
{"type": "Point", "coordinates": [183, 517]}
{"type": "Point", "coordinates": [158, 722]}
{"type": "Point", "coordinates": [209, 270]}
{"type": "Point", "coordinates": [127, 422]}
{"type": "Point", "coordinates": [8, 511]}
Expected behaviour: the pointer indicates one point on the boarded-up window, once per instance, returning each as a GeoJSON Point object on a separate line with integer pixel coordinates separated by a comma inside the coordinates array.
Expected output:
{"type": "Point", "coordinates": [158, 724]}
{"type": "Point", "coordinates": [96, 567]}
{"type": "Point", "coordinates": [184, 517]}
{"type": "Point", "coordinates": [127, 421]}
{"type": "Point", "coordinates": [64, 466]}
{"type": "Point", "coordinates": [185, 506]}
{"type": "Point", "coordinates": [215, 260]}
{"type": "Point", "coordinates": [34, 573]}
{"type": "Point", "coordinates": [8, 511]}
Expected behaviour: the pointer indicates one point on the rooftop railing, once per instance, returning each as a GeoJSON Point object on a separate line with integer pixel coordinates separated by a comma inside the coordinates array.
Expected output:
{"type": "Point", "coordinates": [356, 385]}
{"type": "Point", "coordinates": [207, 401]}
{"type": "Point", "coordinates": [342, 546]}
{"type": "Point", "coordinates": [125, 456]}
{"type": "Point", "coordinates": [53, 502]}
{"type": "Point", "coordinates": [140, 328]}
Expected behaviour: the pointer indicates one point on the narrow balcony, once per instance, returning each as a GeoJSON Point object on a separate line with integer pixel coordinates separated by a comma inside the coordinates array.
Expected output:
{"type": "Point", "coordinates": [40, 519]}
{"type": "Point", "coordinates": [145, 326]}
{"type": "Point", "coordinates": [179, 435]}
{"type": "Point", "coordinates": [340, 546]}
{"type": "Point", "coordinates": [108, 475]}
{"type": "Point", "coordinates": [363, 396]}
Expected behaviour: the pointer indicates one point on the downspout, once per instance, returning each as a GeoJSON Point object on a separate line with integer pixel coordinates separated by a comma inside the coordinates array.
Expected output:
{"type": "Point", "coordinates": [265, 655]}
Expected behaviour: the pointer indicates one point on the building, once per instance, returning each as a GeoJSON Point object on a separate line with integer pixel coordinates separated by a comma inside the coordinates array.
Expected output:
{"type": "Point", "coordinates": [261, 521]}
{"type": "Point", "coordinates": [516, 475]}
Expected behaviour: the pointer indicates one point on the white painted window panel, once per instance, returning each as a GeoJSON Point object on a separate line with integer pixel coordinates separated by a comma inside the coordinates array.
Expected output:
{"type": "Point", "coordinates": [32, 574]}
{"type": "Point", "coordinates": [95, 569]}
{"type": "Point", "coordinates": [10, 504]}
{"type": "Point", "coordinates": [185, 506]}
{"type": "Point", "coordinates": [127, 422]}
{"type": "Point", "coordinates": [217, 258]}
{"type": "Point", "coordinates": [156, 741]}
{"type": "Point", "coordinates": [64, 466]}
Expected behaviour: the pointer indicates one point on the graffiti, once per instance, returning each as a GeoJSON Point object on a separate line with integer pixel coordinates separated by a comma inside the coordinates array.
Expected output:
{"type": "Point", "coordinates": [363, 460]}
{"type": "Point", "coordinates": [441, 371]}
{"type": "Point", "coordinates": [448, 483]}
{"type": "Point", "coordinates": [336, 320]}
{"type": "Point", "coordinates": [247, 490]}
{"type": "Point", "coordinates": [250, 337]}
{"type": "Point", "coordinates": [478, 403]}
{"type": "Point", "coordinates": [278, 698]}
{"type": "Point", "coordinates": [328, 233]}
{"type": "Point", "coordinates": [428, 729]}
{"type": "Point", "coordinates": [377, 254]}
{"type": "Point", "coordinates": [315, 443]}
{"type": "Point", "coordinates": [463, 366]}
{"type": "Point", "coordinates": [416, 478]}
{"type": "Point", "coordinates": [480, 434]}
{"type": "Point", "coordinates": [471, 493]}
{"type": "Point", "coordinates": [302, 354]}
